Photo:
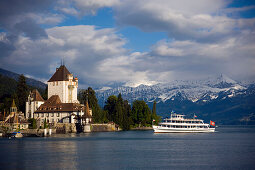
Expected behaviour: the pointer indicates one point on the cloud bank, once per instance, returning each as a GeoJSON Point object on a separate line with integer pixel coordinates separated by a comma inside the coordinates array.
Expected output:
{"type": "Point", "coordinates": [202, 39]}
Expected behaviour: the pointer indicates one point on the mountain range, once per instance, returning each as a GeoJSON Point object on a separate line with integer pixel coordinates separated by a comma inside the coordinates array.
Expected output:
{"type": "Point", "coordinates": [219, 98]}
{"type": "Point", "coordinates": [29, 81]}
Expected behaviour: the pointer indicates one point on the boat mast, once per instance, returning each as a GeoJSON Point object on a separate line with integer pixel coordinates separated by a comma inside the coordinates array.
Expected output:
{"type": "Point", "coordinates": [17, 117]}
{"type": "Point", "coordinates": [4, 115]}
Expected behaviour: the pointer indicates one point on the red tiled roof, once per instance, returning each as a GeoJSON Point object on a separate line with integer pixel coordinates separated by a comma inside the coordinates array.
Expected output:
{"type": "Point", "coordinates": [36, 95]}
{"type": "Point", "coordinates": [53, 104]}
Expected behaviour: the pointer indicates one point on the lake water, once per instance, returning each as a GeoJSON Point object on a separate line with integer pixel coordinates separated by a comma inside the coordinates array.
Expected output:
{"type": "Point", "coordinates": [229, 148]}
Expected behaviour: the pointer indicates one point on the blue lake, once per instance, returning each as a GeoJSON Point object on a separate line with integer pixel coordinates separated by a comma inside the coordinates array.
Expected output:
{"type": "Point", "coordinates": [232, 147]}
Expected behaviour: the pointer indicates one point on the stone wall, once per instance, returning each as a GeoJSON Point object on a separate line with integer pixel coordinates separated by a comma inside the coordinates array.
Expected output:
{"type": "Point", "coordinates": [109, 127]}
{"type": "Point", "coordinates": [61, 89]}
{"type": "Point", "coordinates": [58, 88]}
{"type": "Point", "coordinates": [66, 128]}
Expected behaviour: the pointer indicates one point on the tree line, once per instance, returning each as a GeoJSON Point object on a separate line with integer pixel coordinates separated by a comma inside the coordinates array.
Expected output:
{"type": "Point", "coordinates": [116, 109]}
{"type": "Point", "coordinates": [119, 111]}
{"type": "Point", "coordinates": [18, 91]}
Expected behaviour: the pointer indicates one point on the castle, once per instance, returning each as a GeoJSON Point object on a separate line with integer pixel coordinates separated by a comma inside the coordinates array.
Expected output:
{"type": "Point", "coordinates": [62, 105]}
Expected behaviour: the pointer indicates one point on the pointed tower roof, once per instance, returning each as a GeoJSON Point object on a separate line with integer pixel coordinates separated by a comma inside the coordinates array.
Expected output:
{"type": "Point", "coordinates": [13, 103]}
{"type": "Point", "coordinates": [36, 95]}
{"type": "Point", "coordinates": [61, 74]}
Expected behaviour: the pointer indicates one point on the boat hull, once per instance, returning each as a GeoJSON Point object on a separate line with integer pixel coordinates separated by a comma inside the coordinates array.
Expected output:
{"type": "Point", "coordinates": [16, 135]}
{"type": "Point", "coordinates": [158, 129]}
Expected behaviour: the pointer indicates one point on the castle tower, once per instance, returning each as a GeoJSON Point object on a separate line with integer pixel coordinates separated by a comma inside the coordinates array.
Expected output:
{"type": "Point", "coordinates": [34, 101]}
{"type": "Point", "coordinates": [63, 84]}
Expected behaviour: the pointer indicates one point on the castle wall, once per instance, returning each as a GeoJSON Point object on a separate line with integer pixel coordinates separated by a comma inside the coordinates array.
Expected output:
{"type": "Point", "coordinates": [31, 107]}
{"type": "Point", "coordinates": [57, 117]}
{"type": "Point", "coordinates": [57, 88]}
{"type": "Point", "coordinates": [61, 89]}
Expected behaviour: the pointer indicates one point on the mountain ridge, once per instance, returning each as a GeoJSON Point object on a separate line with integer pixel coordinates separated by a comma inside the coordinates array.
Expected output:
{"type": "Point", "coordinates": [30, 81]}
{"type": "Point", "coordinates": [218, 94]}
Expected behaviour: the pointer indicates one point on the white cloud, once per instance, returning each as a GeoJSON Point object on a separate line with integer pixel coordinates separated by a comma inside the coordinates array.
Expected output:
{"type": "Point", "coordinates": [200, 20]}
{"type": "Point", "coordinates": [91, 6]}
{"type": "Point", "coordinates": [203, 41]}
{"type": "Point", "coordinates": [98, 56]}
{"type": "Point", "coordinates": [81, 7]}
{"type": "Point", "coordinates": [48, 19]}
{"type": "Point", "coordinates": [83, 47]}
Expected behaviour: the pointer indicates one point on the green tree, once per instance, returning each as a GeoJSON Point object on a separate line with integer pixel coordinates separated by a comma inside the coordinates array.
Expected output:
{"type": "Point", "coordinates": [141, 114]}
{"type": "Point", "coordinates": [110, 108]}
{"type": "Point", "coordinates": [155, 117]}
{"type": "Point", "coordinates": [45, 124]}
{"type": "Point", "coordinates": [22, 92]}
{"type": "Point", "coordinates": [126, 122]}
{"type": "Point", "coordinates": [32, 123]}
{"type": "Point", "coordinates": [118, 111]}
{"type": "Point", "coordinates": [45, 93]}
{"type": "Point", "coordinates": [99, 116]}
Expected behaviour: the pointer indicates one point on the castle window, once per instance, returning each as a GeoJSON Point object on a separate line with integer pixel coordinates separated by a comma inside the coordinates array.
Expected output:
{"type": "Point", "coordinates": [57, 114]}
{"type": "Point", "coordinates": [52, 120]}
{"type": "Point", "coordinates": [52, 114]}
{"type": "Point", "coordinates": [42, 115]}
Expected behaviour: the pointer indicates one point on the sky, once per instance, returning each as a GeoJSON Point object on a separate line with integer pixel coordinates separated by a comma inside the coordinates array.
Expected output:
{"type": "Point", "coordinates": [132, 42]}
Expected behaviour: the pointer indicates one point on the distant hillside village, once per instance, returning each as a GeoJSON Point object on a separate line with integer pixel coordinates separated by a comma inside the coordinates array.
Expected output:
{"type": "Point", "coordinates": [62, 112]}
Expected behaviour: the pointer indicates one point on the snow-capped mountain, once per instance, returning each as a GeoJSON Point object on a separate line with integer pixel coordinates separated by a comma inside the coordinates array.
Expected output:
{"type": "Point", "coordinates": [216, 98]}
{"type": "Point", "coordinates": [195, 90]}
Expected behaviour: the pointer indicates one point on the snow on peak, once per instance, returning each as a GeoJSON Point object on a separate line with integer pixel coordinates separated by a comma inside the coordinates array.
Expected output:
{"type": "Point", "coordinates": [193, 90]}
{"type": "Point", "coordinates": [224, 78]}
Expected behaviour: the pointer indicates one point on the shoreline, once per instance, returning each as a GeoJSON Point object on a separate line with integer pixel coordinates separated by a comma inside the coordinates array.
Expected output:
{"type": "Point", "coordinates": [141, 128]}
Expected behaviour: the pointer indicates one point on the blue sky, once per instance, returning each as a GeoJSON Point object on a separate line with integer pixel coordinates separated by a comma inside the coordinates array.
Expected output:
{"type": "Point", "coordinates": [131, 42]}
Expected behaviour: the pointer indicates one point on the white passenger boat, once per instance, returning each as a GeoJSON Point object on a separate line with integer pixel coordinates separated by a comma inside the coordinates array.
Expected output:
{"type": "Point", "coordinates": [177, 123]}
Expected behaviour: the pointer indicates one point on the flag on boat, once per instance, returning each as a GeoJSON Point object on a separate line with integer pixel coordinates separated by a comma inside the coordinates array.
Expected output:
{"type": "Point", "coordinates": [212, 123]}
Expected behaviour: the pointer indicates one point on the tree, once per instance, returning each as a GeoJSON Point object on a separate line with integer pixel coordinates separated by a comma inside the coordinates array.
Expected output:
{"type": "Point", "coordinates": [99, 116]}
{"type": "Point", "coordinates": [154, 114]}
{"type": "Point", "coordinates": [45, 93]}
{"type": "Point", "coordinates": [141, 113]}
{"type": "Point", "coordinates": [110, 108]}
{"type": "Point", "coordinates": [45, 124]}
{"type": "Point", "coordinates": [126, 116]}
{"type": "Point", "coordinates": [32, 123]}
{"type": "Point", "coordinates": [22, 92]}
{"type": "Point", "coordinates": [118, 111]}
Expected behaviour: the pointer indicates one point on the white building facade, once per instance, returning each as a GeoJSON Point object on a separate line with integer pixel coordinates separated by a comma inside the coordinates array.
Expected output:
{"type": "Point", "coordinates": [34, 101]}
{"type": "Point", "coordinates": [62, 105]}
{"type": "Point", "coordinates": [63, 84]}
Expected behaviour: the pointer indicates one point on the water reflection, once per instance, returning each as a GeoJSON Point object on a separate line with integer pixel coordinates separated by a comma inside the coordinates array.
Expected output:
{"type": "Point", "coordinates": [230, 149]}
